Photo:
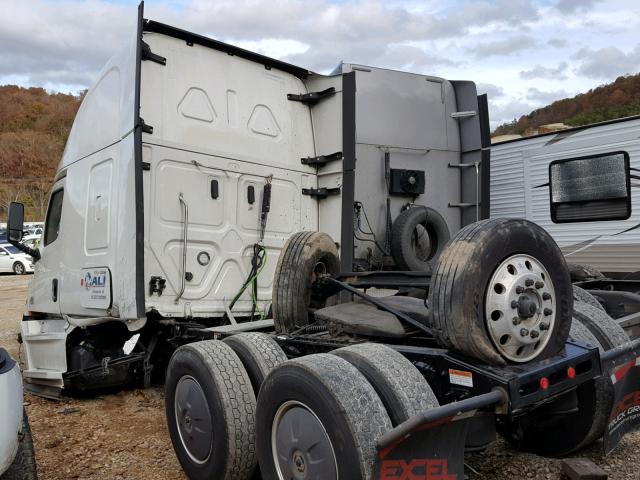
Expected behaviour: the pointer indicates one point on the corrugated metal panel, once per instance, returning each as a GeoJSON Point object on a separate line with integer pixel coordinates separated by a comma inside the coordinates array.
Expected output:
{"type": "Point", "coordinates": [526, 163]}
{"type": "Point", "coordinates": [507, 184]}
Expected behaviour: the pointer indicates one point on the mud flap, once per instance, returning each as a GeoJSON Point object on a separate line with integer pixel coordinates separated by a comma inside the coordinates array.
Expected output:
{"type": "Point", "coordinates": [625, 415]}
{"type": "Point", "coordinates": [433, 451]}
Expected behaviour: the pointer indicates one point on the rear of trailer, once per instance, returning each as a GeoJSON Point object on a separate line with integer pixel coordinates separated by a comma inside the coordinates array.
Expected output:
{"type": "Point", "coordinates": [520, 188]}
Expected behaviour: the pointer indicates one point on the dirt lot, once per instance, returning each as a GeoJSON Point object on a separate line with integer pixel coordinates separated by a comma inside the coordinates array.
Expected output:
{"type": "Point", "coordinates": [124, 435]}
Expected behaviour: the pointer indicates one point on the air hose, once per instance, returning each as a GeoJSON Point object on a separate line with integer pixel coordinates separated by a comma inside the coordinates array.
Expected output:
{"type": "Point", "coordinates": [259, 258]}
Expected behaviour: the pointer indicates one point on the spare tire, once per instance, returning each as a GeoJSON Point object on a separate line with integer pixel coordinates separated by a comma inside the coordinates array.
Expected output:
{"type": "Point", "coordinates": [418, 237]}
{"type": "Point", "coordinates": [502, 293]}
{"type": "Point", "coordinates": [304, 257]}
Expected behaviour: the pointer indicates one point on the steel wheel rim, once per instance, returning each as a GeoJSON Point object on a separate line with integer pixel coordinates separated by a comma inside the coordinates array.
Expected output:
{"type": "Point", "coordinates": [520, 308]}
{"type": "Point", "coordinates": [300, 445]}
{"type": "Point", "coordinates": [193, 419]}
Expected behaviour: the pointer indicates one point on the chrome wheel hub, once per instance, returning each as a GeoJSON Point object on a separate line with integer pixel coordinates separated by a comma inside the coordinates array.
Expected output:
{"type": "Point", "coordinates": [520, 308]}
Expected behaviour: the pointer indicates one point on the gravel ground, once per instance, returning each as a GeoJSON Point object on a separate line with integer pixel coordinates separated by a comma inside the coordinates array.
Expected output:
{"type": "Point", "coordinates": [124, 435]}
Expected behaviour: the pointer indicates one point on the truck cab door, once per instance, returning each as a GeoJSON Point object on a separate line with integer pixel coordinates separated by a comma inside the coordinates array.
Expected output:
{"type": "Point", "coordinates": [44, 291]}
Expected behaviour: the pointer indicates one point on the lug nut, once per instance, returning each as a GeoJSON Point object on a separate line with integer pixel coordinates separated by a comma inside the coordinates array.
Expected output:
{"type": "Point", "coordinates": [514, 304]}
{"type": "Point", "coordinates": [524, 332]}
{"type": "Point", "coordinates": [546, 296]}
{"type": "Point", "coordinates": [528, 282]}
{"type": "Point", "coordinates": [539, 285]}
{"type": "Point", "coordinates": [519, 289]}
{"type": "Point", "coordinates": [544, 326]}
{"type": "Point", "coordinates": [548, 311]}
{"type": "Point", "coordinates": [534, 334]}
{"type": "Point", "coordinates": [516, 320]}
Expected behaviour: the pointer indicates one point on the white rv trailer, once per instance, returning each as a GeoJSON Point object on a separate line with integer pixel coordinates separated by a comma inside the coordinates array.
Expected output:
{"type": "Point", "coordinates": [519, 188]}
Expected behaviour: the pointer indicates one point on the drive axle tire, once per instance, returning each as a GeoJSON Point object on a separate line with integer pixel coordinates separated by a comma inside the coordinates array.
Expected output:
{"type": "Point", "coordinates": [304, 257]}
{"type": "Point", "coordinates": [210, 410]}
{"type": "Point", "coordinates": [562, 433]}
{"type": "Point", "coordinates": [502, 293]}
{"type": "Point", "coordinates": [24, 464]}
{"type": "Point", "coordinates": [581, 295]}
{"type": "Point", "coordinates": [259, 354]}
{"type": "Point", "coordinates": [402, 389]}
{"type": "Point", "coordinates": [322, 403]}
{"type": "Point", "coordinates": [418, 236]}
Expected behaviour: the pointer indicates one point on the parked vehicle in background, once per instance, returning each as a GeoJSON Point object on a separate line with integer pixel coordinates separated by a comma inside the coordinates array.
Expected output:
{"type": "Point", "coordinates": [17, 458]}
{"type": "Point", "coordinates": [520, 172]}
{"type": "Point", "coordinates": [13, 260]}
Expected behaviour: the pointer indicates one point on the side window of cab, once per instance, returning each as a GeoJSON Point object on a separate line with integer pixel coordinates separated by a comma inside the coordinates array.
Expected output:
{"type": "Point", "coordinates": [54, 214]}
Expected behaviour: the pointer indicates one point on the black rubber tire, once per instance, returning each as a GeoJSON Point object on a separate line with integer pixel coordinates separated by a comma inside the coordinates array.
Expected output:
{"type": "Point", "coordinates": [581, 273]}
{"type": "Point", "coordinates": [231, 404]}
{"type": "Point", "coordinates": [606, 330]}
{"type": "Point", "coordinates": [19, 268]}
{"type": "Point", "coordinates": [402, 389]}
{"type": "Point", "coordinates": [294, 276]}
{"type": "Point", "coordinates": [348, 407]}
{"type": "Point", "coordinates": [402, 233]}
{"type": "Point", "coordinates": [539, 433]}
{"type": "Point", "coordinates": [259, 353]}
{"type": "Point", "coordinates": [581, 295]}
{"type": "Point", "coordinates": [459, 285]}
{"type": "Point", "coordinates": [24, 465]}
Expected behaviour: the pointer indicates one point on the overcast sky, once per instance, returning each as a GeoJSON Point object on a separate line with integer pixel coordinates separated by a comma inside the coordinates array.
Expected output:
{"type": "Point", "coordinates": [523, 53]}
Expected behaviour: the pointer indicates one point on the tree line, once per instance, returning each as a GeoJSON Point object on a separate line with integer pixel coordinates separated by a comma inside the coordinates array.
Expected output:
{"type": "Point", "coordinates": [618, 99]}
{"type": "Point", "coordinates": [34, 126]}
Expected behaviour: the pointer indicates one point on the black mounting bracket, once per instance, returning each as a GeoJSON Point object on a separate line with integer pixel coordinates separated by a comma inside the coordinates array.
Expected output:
{"type": "Point", "coordinates": [157, 285]}
{"type": "Point", "coordinates": [145, 128]}
{"type": "Point", "coordinates": [147, 54]}
{"type": "Point", "coordinates": [311, 98]}
{"type": "Point", "coordinates": [321, 193]}
{"type": "Point", "coordinates": [321, 159]}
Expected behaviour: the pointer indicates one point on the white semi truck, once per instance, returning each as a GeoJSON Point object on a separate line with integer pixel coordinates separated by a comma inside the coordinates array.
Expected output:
{"type": "Point", "coordinates": [216, 222]}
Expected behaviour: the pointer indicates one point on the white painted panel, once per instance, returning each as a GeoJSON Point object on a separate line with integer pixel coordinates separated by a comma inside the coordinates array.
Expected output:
{"type": "Point", "coordinates": [612, 246]}
{"type": "Point", "coordinates": [97, 220]}
{"type": "Point", "coordinates": [224, 228]}
{"type": "Point", "coordinates": [226, 106]}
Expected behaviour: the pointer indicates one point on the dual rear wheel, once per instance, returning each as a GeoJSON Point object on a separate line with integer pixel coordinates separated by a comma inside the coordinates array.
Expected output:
{"type": "Point", "coordinates": [318, 416]}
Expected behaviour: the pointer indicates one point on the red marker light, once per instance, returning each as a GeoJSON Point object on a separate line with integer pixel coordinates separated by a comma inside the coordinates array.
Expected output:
{"type": "Point", "coordinates": [571, 373]}
{"type": "Point", "coordinates": [544, 383]}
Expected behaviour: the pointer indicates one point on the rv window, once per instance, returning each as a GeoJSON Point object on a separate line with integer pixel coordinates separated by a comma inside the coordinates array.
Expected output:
{"type": "Point", "coordinates": [52, 223]}
{"type": "Point", "coordinates": [592, 188]}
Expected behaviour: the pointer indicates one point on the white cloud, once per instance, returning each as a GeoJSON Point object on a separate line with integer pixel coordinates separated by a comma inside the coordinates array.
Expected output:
{"type": "Point", "coordinates": [571, 6]}
{"type": "Point", "coordinates": [553, 73]}
{"type": "Point", "coordinates": [509, 47]}
{"type": "Point", "coordinates": [545, 98]}
{"type": "Point", "coordinates": [503, 47]}
{"type": "Point", "coordinates": [608, 62]}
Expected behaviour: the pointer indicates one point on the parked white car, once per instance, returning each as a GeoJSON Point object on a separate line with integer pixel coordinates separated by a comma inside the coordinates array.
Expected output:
{"type": "Point", "coordinates": [17, 458]}
{"type": "Point", "coordinates": [13, 260]}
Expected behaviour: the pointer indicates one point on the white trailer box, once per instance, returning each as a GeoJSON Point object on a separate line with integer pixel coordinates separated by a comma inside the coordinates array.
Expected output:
{"type": "Point", "coordinates": [520, 188]}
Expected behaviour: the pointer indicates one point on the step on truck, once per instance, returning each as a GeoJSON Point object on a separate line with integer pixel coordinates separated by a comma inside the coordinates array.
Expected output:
{"type": "Point", "coordinates": [307, 263]}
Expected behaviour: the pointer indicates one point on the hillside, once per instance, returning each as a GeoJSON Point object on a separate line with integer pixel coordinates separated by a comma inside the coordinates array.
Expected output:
{"type": "Point", "coordinates": [620, 98]}
{"type": "Point", "coordinates": [34, 126]}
